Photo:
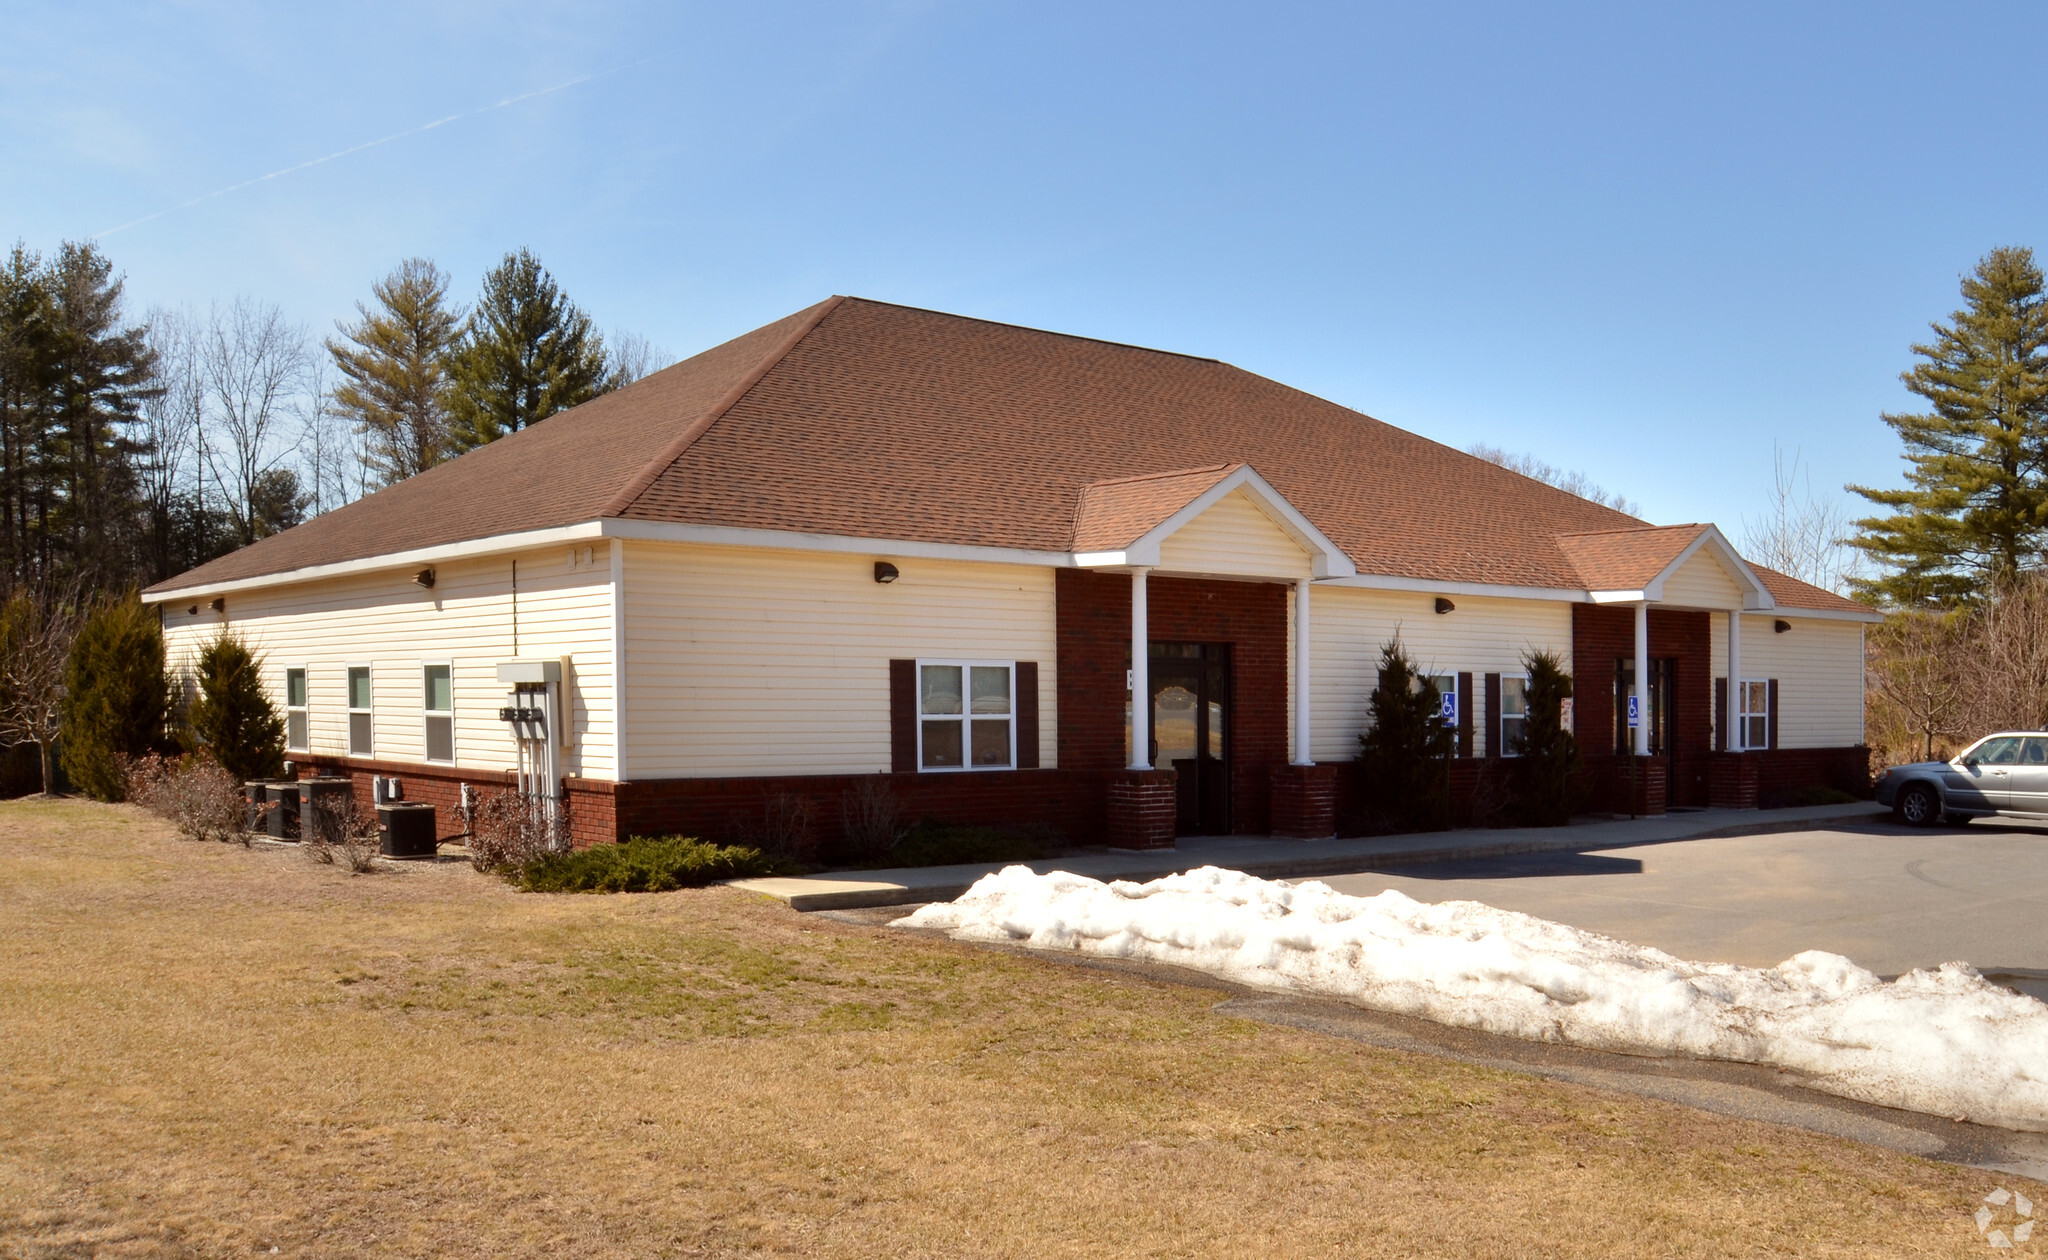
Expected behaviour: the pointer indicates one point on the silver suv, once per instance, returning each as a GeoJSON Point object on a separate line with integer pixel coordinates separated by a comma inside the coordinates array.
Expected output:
{"type": "Point", "coordinates": [2006, 773]}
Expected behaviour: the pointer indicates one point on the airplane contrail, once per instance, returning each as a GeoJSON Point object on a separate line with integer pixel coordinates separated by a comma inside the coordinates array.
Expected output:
{"type": "Point", "coordinates": [371, 144]}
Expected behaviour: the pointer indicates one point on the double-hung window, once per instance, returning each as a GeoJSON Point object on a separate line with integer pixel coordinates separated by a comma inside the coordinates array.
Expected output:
{"type": "Point", "coordinates": [1514, 712]}
{"type": "Point", "coordinates": [439, 687]}
{"type": "Point", "coordinates": [297, 723]}
{"type": "Point", "coordinates": [1754, 712]}
{"type": "Point", "coordinates": [965, 715]}
{"type": "Point", "coordinates": [361, 726]}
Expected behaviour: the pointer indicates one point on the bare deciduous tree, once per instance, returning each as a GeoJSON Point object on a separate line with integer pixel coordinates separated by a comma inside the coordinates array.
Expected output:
{"type": "Point", "coordinates": [2005, 657]}
{"type": "Point", "coordinates": [36, 632]}
{"type": "Point", "coordinates": [630, 356]}
{"type": "Point", "coordinates": [1916, 682]}
{"type": "Point", "coordinates": [1800, 535]}
{"type": "Point", "coordinates": [1572, 482]}
{"type": "Point", "coordinates": [169, 427]}
{"type": "Point", "coordinates": [255, 364]}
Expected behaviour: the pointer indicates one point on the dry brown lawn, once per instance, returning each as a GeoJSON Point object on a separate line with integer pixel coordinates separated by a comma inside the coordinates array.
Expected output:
{"type": "Point", "coordinates": [211, 1050]}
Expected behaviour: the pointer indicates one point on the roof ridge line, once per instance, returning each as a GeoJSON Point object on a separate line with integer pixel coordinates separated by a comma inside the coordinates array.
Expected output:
{"type": "Point", "coordinates": [1049, 332]}
{"type": "Point", "coordinates": [1158, 476]}
{"type": "Point", "coordinates": [1645, 527]}
{"type": "Point", "coordinates": [683, 441]}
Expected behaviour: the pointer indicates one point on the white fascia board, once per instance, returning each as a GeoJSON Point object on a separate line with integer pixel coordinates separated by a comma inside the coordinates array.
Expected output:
{"type": "Point", "coordinates": [1755, 596]}
{"type": "Point", "coordinates": [1326, 558]}
{"type": "Point", "coordinates": [1428, 586]}
{"type": "Point", "coordinates": [1618, 597]}
{"type": "Point", "coordinates": [496, 544]}
{"type": "Point", "coordinates": [1868, 617]}
{"type": "Point", "coordinates": [1103, 559]}
{"type": "Point", "coordinates": [792, 540]}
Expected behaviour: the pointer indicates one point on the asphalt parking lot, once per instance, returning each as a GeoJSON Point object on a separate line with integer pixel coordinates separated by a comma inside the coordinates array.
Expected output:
{"type": "Point", "coordinates": [1888, 896]}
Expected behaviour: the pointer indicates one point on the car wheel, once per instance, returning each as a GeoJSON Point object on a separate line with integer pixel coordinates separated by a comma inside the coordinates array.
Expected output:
{"type": "Point", "coordinates": [1918, 806]}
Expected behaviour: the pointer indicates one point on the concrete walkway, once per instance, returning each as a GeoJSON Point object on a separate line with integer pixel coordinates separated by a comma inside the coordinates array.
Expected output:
{"type": "Point", "coordinates": [1292, 859]}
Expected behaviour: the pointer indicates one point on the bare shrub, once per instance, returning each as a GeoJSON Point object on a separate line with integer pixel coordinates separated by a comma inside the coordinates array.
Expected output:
{"type": "Point", "coordinates": [203, 801]}
{"type": "Point", "coordinates": [509, 830]}
{"type": "Point", "coordinates": [343, 833]}
{"type": "Point", "coordinates": [870, 819]}
{"type": "Point", "coordinates": [786, 830]}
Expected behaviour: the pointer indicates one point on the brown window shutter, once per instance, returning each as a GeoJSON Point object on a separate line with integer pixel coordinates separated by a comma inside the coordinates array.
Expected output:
{"type": "Point", "coordinates": [1464, 715]}
{"type": "Point", "coordinates": [902, 716]}
{"type": "Point", "coordinates": [1493, 748]}
{"type": "Point", "coordinates": [1773, 717]}
{"type": "Point", "coordinates": [1720, 715]}
{"type": "Point", "coordinates": [1027, 715]}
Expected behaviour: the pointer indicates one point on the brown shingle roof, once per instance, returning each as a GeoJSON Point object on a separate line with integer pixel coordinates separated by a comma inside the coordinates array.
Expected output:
{"type": "Point", "coordinates": [1629, 559]}
{"type": "Point", "coordinates": [865, 419]}
{"type": "Point", "coordinates": [1115, 514]}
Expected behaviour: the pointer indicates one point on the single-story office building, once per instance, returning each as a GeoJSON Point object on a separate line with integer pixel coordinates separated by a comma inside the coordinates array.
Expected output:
{"type": "Point", "coordinates": [868, 541]}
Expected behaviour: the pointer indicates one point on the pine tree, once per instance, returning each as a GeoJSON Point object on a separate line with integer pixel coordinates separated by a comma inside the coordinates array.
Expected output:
{"type": "Point", "coordinates": [527, 353]}
{"type": "Point", "coordinates": [395, 360]}
{"type": "Point", "coordinates": [232, 717]}
{"type": "Point", "coordinates": [1976, 509]}
{"type": "Point", "coordinates": [1405, 754]}
{"type": "Point", "coordinates": [1547, 761]}
{"type": "Point", "coordinates": [116, 698]}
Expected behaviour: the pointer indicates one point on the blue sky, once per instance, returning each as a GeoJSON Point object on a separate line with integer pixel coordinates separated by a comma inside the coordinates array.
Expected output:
{"type": "Point", "coordinates": [1645, 241]}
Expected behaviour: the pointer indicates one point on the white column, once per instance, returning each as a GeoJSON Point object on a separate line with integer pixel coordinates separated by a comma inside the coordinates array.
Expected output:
{"type": "Point", "coordinates": [1141, 680]}
{"type": "Point", "coordinates": [1734, 700]}
{"type": "Point", "coordinates": [618, 660]}
{"type": "Point", "coordinates": [1303, 755]}
{"type": "Point", "coordinates": [1642, 740]}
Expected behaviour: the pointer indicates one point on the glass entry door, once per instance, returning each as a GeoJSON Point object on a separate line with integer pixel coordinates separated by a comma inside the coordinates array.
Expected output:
{"type": "Point", "coordinates": [1191, 731]}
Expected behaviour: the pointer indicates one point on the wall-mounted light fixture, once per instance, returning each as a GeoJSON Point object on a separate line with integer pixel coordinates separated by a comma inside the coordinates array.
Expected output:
{"type": "Point", "coordinates": [1443, 606]}
{"type": "Point", "coordinates": [424, 579]}
{"type": "Point", "coordinates": [885, 572]}
{"type": "Point", "coordinates": [219, 604]}
{"type": "Point", "coordinates": [193, 611]}
{"type": "Point", "coordinates": [1780, 627]}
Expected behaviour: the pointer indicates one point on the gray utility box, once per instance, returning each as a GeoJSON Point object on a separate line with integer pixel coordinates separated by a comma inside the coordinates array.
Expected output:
{"type": "Point", "coordinates": [281, 821]}
{"type": "Point", "coordinates": [407, 829]}
{"type": "Point", "coordinates": [314, 794]}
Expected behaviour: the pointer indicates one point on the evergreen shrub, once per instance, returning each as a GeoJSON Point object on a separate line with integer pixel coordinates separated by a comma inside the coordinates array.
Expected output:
{"type": "Point", "coordinates": [641, 864]}
{"type": "Point", "coordinates": [232, 717]}
{"type": "Point", "coordinates": [1546, 772]}
{"type": "Point", "coordinates": [116, 698]}
{"type": "Point", "coordinates": [1405, 753]}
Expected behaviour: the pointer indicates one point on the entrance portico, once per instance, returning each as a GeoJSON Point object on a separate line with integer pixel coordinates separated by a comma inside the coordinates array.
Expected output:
{"type": "Point", "coordinates": [1200, 753]}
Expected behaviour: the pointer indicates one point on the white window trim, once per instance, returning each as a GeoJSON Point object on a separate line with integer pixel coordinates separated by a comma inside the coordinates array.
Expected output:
{"type": "Point", "coordinates": [427, 714]}
{"type": "Point", "coordinates": [349, 700]}
{"type": "Point", "coordinates": [1742, 712]}
{"type": "Point", "coordinates": [964, 717]}
{"type": "Point", "coordinates": [1507, 747]}
{"type": "Point", "coordinates": [307, 708]}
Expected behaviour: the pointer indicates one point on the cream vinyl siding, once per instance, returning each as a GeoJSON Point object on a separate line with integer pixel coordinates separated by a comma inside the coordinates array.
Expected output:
{"type": "Point", "coordinates": [1701, 582]}
{"type": "Point", "coordinates": [1348, 626]}
{"type": "Point", "coordinates": [385, 621]}
{"type": "Point", "coordinates": [1234, 538]}
{"type": "Point", "coordinates": [1819, 668]}
{"type": "Point", "coordinates": [758, 662]}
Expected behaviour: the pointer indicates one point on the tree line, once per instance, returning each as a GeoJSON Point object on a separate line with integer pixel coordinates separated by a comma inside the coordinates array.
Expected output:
{"type": "Point", "coordinates": [133, 449]}
{"type": "Point", "coordinates": [1959, 553]}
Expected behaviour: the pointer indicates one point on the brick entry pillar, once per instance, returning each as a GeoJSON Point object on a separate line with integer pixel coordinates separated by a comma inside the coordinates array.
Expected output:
{"type": "Point", "coordinates": [1305, 802]}
{"type": "Point", "coordinates": [1141, 809]}
{"type": "Point", "coordinates": [1731, 781]}
{"type": "Point", "coordinates": [1650, 795]}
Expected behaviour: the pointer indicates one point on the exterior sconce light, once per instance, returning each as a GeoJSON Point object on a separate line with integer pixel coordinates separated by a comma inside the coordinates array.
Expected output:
{"type": "Point", "coordinates": [424, 579]}
{"type": "Point", "coordinates": [219, 604]}
{"type": "Point", "coordinates": [1443, 606]}
{"type": "Point", "coordinates": [1780, 627]}
{"type": "Point", "coordinates": [193, 611]}
{"type": "Point", "coordinates": [885, 572]}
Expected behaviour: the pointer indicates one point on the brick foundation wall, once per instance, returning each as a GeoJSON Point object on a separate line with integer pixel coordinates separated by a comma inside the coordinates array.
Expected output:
{"type": "Point", "coordinates": [587, 803]}
{"type": "Point", "coordinates": [1071, 803]}
{"type": "Point", "coordinates": [1782, 770]}
{"type": "Point", "coordinates": [1094, 629]}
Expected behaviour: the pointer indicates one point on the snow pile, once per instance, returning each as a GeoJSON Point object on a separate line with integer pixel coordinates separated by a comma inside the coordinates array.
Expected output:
{"type": "Point", "coordinates": [1946, 1041]}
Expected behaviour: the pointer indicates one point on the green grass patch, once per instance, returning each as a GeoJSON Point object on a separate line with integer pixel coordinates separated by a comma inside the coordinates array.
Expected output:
{"type": "Point", "coordinates": [644, 864]}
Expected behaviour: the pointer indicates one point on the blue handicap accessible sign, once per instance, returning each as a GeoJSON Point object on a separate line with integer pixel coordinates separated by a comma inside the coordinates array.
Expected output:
{"type": "Point", "coordinates": [1635, 712]}
{"type": "Point", "coordinates": [1447, 708]}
